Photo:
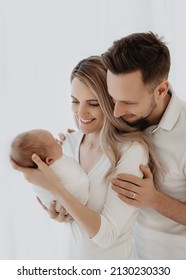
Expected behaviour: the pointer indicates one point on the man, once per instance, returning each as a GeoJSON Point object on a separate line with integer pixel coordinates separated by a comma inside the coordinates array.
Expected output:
{"type": "Point", "coordinates": [138, 68]}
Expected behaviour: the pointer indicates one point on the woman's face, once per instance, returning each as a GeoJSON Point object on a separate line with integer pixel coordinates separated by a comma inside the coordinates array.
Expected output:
{"type": "Point", "coordinates": [86, 108]}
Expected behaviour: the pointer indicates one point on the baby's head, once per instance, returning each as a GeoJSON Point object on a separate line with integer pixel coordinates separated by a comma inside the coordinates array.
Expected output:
{"type": "Point", "coordinates": [38, 141]}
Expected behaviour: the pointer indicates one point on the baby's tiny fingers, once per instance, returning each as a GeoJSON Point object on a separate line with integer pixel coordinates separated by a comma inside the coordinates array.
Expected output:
{"type": "Point", "coordinates": [62, 137]}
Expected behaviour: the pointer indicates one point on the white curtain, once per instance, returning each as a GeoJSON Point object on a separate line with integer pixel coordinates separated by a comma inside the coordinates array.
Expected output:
{"type": "Point", "coordinates": [40, 42]}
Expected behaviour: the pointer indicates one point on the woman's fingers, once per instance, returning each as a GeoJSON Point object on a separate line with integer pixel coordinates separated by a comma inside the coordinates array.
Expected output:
{"type": "Point", "coordinates": [38, 161]}
{"type": "Point", "coordinates": [69, 218]}
{"type": "Point", "coordinates": [52, 210]}
{"type": "Point", "coordinates": [42, 205]}
{"type": "Point", "coordinates": [61, 216]}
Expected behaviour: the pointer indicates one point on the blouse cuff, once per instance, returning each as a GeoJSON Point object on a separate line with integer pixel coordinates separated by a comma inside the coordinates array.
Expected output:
{"type": "Point", "coordinates": [99, 238]}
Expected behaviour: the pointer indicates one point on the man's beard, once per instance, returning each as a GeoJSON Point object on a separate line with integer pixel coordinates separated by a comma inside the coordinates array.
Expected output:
{"type": "Point", "coordinates": [139, 124]}
{"type": "Point", "coordinates": [143, 123]}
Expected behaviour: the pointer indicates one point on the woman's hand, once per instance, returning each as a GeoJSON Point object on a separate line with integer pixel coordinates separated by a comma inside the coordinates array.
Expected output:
{"type": "Point", "coordinates": [61, 216]}
{"type": "Point", "coordinates": [42, 176]}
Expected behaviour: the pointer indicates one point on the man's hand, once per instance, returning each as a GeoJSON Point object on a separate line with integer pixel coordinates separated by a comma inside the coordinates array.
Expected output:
{"type": "Point", "coordinates": [139, 192]}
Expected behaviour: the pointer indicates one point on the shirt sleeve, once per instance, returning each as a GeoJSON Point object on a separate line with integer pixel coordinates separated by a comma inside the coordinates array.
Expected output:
{"type": "Point", "coordinates": [117, 217]}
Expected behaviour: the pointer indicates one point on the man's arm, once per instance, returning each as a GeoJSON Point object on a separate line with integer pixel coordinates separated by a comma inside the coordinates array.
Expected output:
{"type": "Point", "coordinates": [142, 192]}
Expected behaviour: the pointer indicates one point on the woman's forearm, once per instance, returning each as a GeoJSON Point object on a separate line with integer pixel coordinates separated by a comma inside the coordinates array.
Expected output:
{"type": "Point", "coordinates": [88, 219]}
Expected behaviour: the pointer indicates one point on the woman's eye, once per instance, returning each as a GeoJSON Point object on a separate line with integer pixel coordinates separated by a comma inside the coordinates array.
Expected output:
{"type": "Point", "coordinates": [94, 104]}
{"type": "Point", "coordinates": [75, 102]}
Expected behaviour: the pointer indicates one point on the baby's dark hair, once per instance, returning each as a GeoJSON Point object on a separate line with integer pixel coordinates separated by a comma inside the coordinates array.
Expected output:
{"type": "Point", "coordinates": [25, 145]}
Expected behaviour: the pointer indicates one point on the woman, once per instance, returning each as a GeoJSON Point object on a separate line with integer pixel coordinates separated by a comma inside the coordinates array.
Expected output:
{"type": "Point", "coordinates": [101, 229]}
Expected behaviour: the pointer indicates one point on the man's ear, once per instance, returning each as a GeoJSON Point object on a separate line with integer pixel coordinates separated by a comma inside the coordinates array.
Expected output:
{"type": "Point", "coordinates": [49, 160]}
{"type": "Point", "coordinates": [162, 89]}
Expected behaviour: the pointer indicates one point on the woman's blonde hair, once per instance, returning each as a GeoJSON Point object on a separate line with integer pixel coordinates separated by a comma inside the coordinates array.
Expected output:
{"type": "Point", "coordinates": [92, 72]}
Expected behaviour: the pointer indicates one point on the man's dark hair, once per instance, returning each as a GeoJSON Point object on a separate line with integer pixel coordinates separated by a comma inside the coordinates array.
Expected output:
{"type": "Point", "coordinates": [139, 51]}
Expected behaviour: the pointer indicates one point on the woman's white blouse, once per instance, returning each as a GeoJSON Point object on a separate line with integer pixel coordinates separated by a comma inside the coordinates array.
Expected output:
{"type": "Point", "coordinates": [114, 238]}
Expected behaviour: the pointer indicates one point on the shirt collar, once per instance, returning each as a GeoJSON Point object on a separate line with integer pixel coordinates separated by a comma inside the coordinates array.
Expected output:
{"type": "Point", "coordinates": [170, 115]}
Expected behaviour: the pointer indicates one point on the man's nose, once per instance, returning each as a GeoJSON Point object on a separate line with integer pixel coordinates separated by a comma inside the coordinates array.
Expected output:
{"type": "Point", "coordinates": [118, 110]}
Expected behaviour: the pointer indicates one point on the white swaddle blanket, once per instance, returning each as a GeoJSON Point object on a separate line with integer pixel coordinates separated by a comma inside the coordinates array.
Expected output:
{"type": "Point", "coordinates": [73, 178]}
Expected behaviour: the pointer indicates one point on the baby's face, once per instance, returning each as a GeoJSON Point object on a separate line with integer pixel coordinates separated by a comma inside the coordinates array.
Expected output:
{"type": "Point", "coordinates": [54, 144]}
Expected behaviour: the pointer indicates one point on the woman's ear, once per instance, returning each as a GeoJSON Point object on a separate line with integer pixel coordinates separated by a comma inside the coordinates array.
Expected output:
{"type": "Point", "coordinates": [49, 160]}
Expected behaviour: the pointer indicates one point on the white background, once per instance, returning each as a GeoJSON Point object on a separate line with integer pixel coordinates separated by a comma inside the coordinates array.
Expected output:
{"type": "Point", "coordinates": [40, 42]}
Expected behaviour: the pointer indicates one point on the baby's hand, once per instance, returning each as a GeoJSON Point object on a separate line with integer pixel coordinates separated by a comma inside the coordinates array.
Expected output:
{"type": "Point", "coordinates": [62, 136]}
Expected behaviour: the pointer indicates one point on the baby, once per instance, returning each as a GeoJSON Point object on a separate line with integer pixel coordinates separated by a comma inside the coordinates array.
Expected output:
{"type": "Point", "coordinates": [67, 169]}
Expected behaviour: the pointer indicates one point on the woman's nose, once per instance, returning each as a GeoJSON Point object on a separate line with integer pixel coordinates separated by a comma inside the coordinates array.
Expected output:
{"type": "Point", "coordinates": [82, 110]}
